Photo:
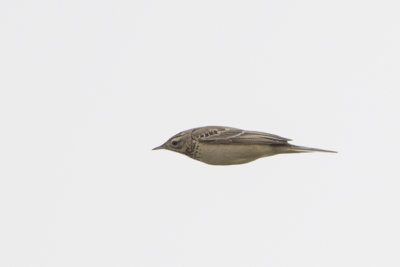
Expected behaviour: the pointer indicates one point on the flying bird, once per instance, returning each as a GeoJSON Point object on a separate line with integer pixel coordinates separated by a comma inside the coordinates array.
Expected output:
{"type": "Point", "coordinates": [218, 145]}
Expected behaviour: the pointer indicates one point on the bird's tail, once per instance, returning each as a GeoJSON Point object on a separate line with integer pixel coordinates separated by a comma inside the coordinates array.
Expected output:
{"type": "Point", "coordinates": [302, 149]}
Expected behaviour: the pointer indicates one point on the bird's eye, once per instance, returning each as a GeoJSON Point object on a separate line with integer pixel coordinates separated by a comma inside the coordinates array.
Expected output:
{"type": "Point", "coordinates": [174, 143]}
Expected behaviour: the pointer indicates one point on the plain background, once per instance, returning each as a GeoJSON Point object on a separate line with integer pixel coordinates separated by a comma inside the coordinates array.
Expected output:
{"type": "Point", "coordinates": [88, 88]}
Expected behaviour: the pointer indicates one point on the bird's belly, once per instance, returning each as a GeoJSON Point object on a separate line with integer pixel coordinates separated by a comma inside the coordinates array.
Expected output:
{"type": "Point", "coordinates": [229, 154]}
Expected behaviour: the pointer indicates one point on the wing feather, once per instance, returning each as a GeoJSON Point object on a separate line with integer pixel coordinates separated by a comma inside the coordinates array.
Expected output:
{"type": "Point", "coordinates": [226, 135]}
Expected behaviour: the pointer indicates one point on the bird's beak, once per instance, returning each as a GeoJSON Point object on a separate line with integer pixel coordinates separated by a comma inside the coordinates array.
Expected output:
{"type": "Point", "coordinates": [159, 147]}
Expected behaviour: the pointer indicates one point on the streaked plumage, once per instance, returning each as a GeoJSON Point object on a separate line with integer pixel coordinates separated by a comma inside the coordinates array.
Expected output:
{"type": "Point", "coordinates": [218, 145]}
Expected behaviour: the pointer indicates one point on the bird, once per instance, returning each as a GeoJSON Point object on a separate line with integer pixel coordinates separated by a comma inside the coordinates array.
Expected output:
{"type": "Point", "coordinates": [219, 145]}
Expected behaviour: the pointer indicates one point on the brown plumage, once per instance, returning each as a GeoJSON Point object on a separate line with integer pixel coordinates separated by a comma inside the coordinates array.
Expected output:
{"type": "Point", "coordinates": [218, 145]}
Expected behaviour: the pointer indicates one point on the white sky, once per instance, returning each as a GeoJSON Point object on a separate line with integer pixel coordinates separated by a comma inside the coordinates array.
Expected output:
{"type": "Point", "coordinates": [88, 88]}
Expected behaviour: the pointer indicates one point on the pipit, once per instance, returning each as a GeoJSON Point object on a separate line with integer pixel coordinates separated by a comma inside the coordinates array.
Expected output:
{"type": "Point", "coordinates": [218, 145]}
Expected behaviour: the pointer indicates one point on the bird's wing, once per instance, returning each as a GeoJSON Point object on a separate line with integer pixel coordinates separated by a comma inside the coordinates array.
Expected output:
{"type": "Point", "coordinates": [226, 135]}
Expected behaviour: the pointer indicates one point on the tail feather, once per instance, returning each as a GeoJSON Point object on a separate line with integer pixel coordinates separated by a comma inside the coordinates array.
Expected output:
{"type": "Point", "coordinates": [302, 149]}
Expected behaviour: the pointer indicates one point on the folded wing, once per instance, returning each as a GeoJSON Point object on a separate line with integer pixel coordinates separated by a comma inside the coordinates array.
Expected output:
{"type": "Point", "coordinates": [226, 135]}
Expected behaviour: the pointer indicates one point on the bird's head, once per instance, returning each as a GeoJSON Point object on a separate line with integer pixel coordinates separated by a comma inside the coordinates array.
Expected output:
{"type": "Point", "coordinates": [177, 143]}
